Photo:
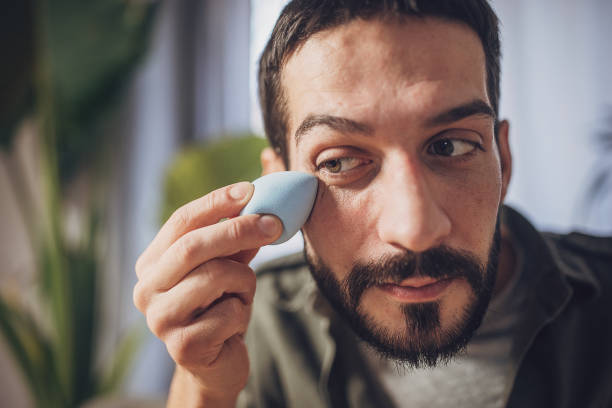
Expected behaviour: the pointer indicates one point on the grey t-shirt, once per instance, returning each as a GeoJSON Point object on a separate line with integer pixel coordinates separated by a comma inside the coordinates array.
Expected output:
{"type": "Point", "coordinates": [480, 377]}
{"type": "Point", "coordinates": [302, 356]}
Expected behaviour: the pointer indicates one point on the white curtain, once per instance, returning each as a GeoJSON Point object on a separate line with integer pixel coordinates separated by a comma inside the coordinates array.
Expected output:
{"type": "Point", "coordinates": [557, 92]}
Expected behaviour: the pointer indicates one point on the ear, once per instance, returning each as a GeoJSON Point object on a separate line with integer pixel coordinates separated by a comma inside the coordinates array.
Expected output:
{"type": "Point", "coordinates": [271, 162]}
{"type": "Point", "coordinates": [504, 155]}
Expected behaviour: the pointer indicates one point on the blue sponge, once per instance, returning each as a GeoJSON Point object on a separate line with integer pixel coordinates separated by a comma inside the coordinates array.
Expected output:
{"type": "Point", "coordinates": [290, 195]}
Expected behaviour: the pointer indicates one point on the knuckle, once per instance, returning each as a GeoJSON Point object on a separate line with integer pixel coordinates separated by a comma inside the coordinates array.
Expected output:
{"type": "Point", "coordinates": [156, 323]}
{"type": "Point", "coordinates": [185, 247]}
{"type": "Point", "coordinates": [204, 275]}
{"type": "Point", "coordinates": [139, 265]}
{"type": "Point", "coordinates": [235, 229]}
{"type": "Point", "coordinates": [179, 346]}
{"type": "Point", "coordinates": [211, 200]}
{"type": "Point", "coordinates": [248, 283]}
{"type": "Point", "coordinates": [211, 269]}
{"type": "Point", "coordinates": [251, 281]}
{"type": "Point", "coordinates": [234, 309]}
{"type": "Point", "coordinates": [245, 318]}
{"type": "Point", "coordinates": [141, 296]}
{"type": "Point", "coordinates": [181, 218]}
{"type": "Point", "coordinates": [138, 297]}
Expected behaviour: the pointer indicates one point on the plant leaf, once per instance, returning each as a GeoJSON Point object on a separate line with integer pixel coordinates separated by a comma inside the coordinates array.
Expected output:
{"type": "Point", "coordinates": [93, 47]}
{"type": "Point", "coordinates": [33, 353]}
{"type": "Point", "coordinates": [200, 169]}
{"type": "Point", "coordinates": [123, 358]}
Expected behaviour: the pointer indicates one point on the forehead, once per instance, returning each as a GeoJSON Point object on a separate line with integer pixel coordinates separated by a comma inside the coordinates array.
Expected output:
{"type": "Point", "coordinates": [365, 69]}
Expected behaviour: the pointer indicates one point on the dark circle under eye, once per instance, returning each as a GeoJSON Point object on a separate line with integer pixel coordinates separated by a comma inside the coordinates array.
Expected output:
{"type": "Point", "coordinates": [333, 166]}
{"type": "Point", "coordinates": [443, 147]}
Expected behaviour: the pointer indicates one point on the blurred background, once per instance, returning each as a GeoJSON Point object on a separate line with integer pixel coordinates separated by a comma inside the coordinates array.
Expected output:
{"type": "Point", "coordinates": [115, 112]}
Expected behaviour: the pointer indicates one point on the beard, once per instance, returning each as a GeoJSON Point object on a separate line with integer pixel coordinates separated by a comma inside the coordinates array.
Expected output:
{"type": "Point", "coordinates": [421, 341]}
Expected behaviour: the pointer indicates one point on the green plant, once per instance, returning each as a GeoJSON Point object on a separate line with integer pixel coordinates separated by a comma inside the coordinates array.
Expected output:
{"type": "Point", "coordinates": [200, 169]}
{"type": "Point", "coordinates": [56, 352]}
{"type": "Point", "coordinates": [67, 61]}
{"type": "Point", "coordinates": [77, 55]}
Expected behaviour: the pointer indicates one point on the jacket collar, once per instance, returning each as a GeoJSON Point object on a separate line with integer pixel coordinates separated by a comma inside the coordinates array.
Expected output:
{"type": "Point", "coordinates": [549, 262]}
{"type": "Point", "coordinates": [551, 275]}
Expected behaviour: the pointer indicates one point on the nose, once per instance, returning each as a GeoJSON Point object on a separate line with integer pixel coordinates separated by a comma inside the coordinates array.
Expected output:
{"type": "Point", "coordinates": [411, 215]}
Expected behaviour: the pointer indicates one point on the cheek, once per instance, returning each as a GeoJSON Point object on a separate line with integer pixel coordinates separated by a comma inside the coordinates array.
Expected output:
{"type": "Point", "coordinates": [472, 201]}
{"type": "Point", "coordinates": [342, 225]}
{"type": "Point", "coordinates": [339, 226]}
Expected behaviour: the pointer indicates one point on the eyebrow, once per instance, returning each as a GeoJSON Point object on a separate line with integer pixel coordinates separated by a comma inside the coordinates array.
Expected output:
{"type": "Point", "coordinates": [477, 107]}
{"type": "Point", "coordinates": [345, 125]}
{"type": "Point", "coordinates": [337, 123]}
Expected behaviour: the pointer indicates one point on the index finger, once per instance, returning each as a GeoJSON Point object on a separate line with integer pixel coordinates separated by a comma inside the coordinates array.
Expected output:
{"type": "Point", "coordinates": [224, 202]}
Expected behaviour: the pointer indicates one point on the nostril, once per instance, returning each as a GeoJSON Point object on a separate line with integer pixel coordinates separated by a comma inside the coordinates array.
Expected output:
{"type": "Point", "coordinates": [414, 230]}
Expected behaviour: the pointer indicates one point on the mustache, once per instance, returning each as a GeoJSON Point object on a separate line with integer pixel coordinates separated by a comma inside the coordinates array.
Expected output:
{"type": "Point", "coordinates": [441, 262]}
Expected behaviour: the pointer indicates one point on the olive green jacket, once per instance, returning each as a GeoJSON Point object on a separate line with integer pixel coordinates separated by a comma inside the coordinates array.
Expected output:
{"type": "Point", "coordinates": [303, 355]}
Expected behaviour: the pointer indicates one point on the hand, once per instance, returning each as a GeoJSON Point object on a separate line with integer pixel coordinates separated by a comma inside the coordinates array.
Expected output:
{"type": "Point", "coordinates": [196, 289]}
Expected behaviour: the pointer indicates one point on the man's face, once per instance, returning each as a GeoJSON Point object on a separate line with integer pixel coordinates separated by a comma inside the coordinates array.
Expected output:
{"type": "Point", "coordinates": [394, 119]}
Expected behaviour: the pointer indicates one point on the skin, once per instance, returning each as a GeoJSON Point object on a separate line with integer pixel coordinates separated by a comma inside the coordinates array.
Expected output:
{"type": "Point", "coordinates": [196, 290]}
{"type": "Point", "coordinates": [195, 287]}
{"type": "Point", "coordinates": [404, 196]}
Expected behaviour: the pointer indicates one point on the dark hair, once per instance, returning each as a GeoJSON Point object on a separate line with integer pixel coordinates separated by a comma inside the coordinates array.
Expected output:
{"type": "Point", "coordinates": [300, 19]}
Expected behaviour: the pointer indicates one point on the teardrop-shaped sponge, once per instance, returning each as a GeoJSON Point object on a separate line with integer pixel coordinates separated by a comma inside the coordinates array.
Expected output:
{"type": "Point", "coordinates": [290, 195]}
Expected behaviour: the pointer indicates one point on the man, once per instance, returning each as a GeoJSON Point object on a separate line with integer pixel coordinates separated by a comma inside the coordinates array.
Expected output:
{"type": "Point", "coordinates": [418, 288]}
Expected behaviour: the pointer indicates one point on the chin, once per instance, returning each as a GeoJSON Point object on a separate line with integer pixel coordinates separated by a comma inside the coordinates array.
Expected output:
{"type": "Point", "coordinates": [413, 325]}
{"type": "Point", "coordinates": [420, 334]}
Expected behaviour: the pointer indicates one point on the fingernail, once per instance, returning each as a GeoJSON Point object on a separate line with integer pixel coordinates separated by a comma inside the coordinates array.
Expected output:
{"type": "Point", "coordinates": [269, 225]}
{"type": "Point", "coordinates": [240, 190]}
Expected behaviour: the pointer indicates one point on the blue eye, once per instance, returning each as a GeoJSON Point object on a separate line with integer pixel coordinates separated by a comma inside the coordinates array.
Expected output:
{"type": "Point", "coordinates": [451, 147]}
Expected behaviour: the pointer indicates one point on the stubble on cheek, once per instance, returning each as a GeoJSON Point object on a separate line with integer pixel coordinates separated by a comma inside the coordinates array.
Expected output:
{"type": "Point", "coordinates": [459, 297]}
{"type": "Point", "coordinates": [379, 309]}
{"type": "Point", "coordinates": [338, 228]}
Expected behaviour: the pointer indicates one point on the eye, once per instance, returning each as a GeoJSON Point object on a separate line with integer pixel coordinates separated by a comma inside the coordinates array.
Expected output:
{"type": "Point", "coordinates": [452, 147]}
{"type": "Point", "coordinates": [339, 165]}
